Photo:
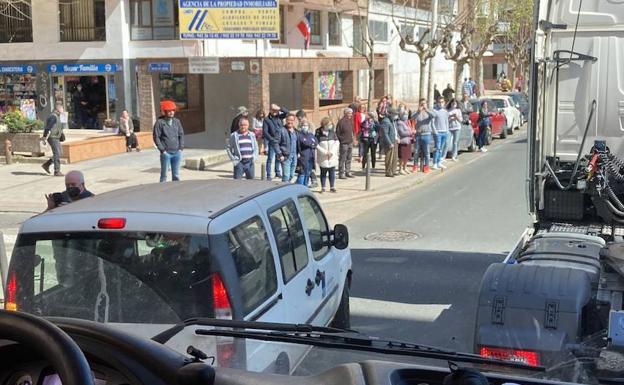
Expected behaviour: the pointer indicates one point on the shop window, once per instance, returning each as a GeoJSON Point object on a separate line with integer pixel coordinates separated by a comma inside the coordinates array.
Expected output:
{"type": "Point", "coordinates": [16, 23]}
{"type": "Point", "coordinates": [330, 88]}
{"type": "Point", "coordinates": [83, 20]}
{"type": "Point", "coordinates": [153, 19]}
{"type": "Point", "coordinates": [334, 29]}
{"type": "Point", "coordinates": [17, 90]}
{"type": "Point", "coordinates": [174, 87]}
{"type": "Point", "coordinates": [378, 30]}
{"type": "Point", "coordinates": [315, 26]}
{"type": "Point", "coordinates": [282, 18]}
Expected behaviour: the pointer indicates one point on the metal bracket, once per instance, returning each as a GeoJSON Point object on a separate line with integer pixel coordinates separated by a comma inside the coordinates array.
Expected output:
{"type": "Point", "coordinates": [498, 311]}
{"type": "Point", "coordinates": [551, 314]}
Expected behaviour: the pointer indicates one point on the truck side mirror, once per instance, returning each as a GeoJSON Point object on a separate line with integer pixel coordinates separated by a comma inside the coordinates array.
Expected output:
{"type": "Point", "coordinates": [341, 237]}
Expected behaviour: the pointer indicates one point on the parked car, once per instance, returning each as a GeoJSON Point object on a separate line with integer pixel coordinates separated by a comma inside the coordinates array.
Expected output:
{"type": "Point", "coordinates": [506, 105]}
{"type": "Point", "coordinates": [498, 122]}
{"type": "Point", "coordinates": [522, 103]}
{"type": "Point", "coordinates": [147, 257]}
{"type": "Point", "coordinates": [467, 138]}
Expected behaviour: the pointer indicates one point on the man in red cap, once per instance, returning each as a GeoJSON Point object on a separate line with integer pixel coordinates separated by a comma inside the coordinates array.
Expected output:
{"type": "Point", "coordinates": [169, 138]}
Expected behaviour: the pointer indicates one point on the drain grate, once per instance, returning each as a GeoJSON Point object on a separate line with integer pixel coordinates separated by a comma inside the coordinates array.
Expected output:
{"type": "Point", "coordinates": [392, 236]}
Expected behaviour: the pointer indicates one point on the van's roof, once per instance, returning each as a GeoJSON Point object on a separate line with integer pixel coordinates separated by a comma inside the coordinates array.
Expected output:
{"type": "Point", "coordinates": [198, 197]}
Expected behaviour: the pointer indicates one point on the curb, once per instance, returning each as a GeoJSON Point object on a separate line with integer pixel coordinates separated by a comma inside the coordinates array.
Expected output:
{"type": "Point", "coordinates": [28, 160]}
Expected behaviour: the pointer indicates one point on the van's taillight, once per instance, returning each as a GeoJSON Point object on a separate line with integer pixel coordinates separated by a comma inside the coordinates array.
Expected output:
{"type": "Point", "coordinates": [11, 299]}
{"type": "Point", "coordinates": [220, 299]}
{"type": "Point", "coordinates": [112, 223]}
{"type": "Point", "coordinates": [527, 357]}
{"type": "Point", "coordinates": [226, 349]}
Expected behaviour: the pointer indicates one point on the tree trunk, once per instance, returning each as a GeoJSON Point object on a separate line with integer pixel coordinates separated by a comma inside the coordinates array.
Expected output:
{"type": "Point", "coordinates": [371, 82]}
{"type": "Point", "coordinates": [513, 75]}
{"type": "Point", "coordinates": [480, 76]}
{"type": "Point", "coordinates": [459, 70]}
{"type": "Point", "coordinates": [421, 85]}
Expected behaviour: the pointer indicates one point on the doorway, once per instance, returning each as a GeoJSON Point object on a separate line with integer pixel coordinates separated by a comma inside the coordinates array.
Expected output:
{"type": "Point", "coordinates": [88, 99]}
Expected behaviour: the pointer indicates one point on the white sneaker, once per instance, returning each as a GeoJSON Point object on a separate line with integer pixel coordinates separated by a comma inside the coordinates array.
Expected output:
{"type": "Point", "coordinates": [443, 167]}
{"type": "Point", "coordinates": [435, 167]}
{"type": "Point", "coordinates": [454, 159]}
{"type": "Point", "coordinates": [483, 149]}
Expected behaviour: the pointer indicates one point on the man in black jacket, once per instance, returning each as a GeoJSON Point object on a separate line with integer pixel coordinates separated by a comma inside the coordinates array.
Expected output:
{"type": "Point", "coordinates": [169, 138]}
{"type": "Point", "coordinates": [344, 131]}
{"type": "Point", "coordinates": [271, 131]}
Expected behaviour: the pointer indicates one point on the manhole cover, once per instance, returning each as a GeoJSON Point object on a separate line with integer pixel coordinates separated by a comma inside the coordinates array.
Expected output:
{"type": "Point", "coordinates": [392, 236]}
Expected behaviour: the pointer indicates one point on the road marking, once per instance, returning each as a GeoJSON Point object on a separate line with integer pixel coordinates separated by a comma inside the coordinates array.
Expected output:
{"type": "Point", "coordinates": [426, 312]}
{"type": "Point", "coordinates": [386, 259]}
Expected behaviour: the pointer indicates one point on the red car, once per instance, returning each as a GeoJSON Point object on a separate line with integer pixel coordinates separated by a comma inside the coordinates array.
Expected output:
{"type": "Point", "coordinates": [498, 122]}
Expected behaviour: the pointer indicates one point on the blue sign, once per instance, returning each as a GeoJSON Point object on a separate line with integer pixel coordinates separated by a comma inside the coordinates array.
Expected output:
{"type": "Point", "coordinates": [81, 68]}
{"type": "Point", "coordinates": [159, 67]}
{"type": "Point", "coordinates": [17, 69]}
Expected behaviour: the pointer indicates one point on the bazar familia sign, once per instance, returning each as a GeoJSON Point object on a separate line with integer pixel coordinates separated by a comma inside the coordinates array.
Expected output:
{"type": "Point", "coordinates": [229, 19]}
{"type": "Point", "coordinates": [82, 68]}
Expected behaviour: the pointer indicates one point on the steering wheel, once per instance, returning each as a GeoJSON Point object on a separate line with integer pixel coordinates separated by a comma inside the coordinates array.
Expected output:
{"type": "Point", "coordinates": [51, 342]}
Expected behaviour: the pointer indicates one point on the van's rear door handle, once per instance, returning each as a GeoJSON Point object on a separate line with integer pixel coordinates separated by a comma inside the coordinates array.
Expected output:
{"type": "Point", "coordinates": [309, 287]}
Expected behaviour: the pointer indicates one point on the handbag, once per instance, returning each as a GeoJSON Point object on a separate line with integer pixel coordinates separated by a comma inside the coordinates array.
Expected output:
{"type": "Point", "coordinates": [62, 137]}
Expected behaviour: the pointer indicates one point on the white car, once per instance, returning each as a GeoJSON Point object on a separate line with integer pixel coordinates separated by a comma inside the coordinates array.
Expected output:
{"type": "Point", "coordinates": [148, 257]}
{"type": "Point", "coordinates": [507, 106]}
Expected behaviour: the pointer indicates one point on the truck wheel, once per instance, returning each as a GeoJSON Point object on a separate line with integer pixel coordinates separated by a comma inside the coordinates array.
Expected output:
{"type": "Point", "coordinates": [342, 319]}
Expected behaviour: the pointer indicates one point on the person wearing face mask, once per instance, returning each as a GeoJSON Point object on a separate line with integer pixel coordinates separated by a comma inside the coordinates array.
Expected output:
{"type": "Point", "coordinates": [327, 153]}
{"type": "Point", "coordinates": [441, 130]}
{"type": "Point", "coordinates": [344, 130]}
{"type": "Point", "coordinates": [455, 121]}
{"type": "Point", "coordinates": [389, 141]}
{"type": "Point", "coordinates": [306, 148]}
{"type": "Point", "coordinates": [271, 131]}
{"type": "Point", "coordinates": [81, 107]}
{"type": "Point", "coordinates": [405, 140]}
{"type": "Point", "coordinates": [369, 138]}
{"type": "Point", "coordinates": [74, 190]}
{"type": "Point", "coordinates": [288, 148]}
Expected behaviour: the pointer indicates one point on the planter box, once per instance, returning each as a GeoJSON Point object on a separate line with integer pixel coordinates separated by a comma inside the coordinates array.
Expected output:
{"type": "Point", "coordinates": [26, 143]}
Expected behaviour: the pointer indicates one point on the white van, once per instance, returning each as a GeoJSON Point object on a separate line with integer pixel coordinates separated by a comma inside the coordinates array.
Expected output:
{"type": "Point", "coordinates": [156, 255]}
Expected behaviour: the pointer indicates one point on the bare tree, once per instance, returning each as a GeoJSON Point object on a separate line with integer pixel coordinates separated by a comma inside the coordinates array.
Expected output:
{"type": "Point", "coordinates": [477, 26]}
{"type": "Point", "coordinates": [517, 36]}
{"type": "Point", "coordinates": [425, 48]}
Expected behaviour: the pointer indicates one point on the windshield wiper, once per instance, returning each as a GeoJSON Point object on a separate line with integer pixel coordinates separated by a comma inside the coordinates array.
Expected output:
{"type": "Point", "coordinates": [168, 334]}
{"type": "Point", "coordinates": [330, 338]}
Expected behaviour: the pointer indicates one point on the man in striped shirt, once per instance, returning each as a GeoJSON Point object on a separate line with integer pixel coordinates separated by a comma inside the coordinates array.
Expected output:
{"type": "Point", "coordinates": [243, 150]}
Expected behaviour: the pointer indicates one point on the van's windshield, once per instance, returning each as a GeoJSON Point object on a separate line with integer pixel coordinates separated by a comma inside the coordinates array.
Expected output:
{"type": "Point", "coordinates": [125, 277]}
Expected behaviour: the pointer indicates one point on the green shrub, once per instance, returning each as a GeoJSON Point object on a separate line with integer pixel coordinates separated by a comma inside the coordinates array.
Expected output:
{"type": "Point", "coordinates": [17, 123]}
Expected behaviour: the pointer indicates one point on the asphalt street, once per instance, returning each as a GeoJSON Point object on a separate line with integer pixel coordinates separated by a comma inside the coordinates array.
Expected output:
{"type": "Point", "coordinates": [424, 289]}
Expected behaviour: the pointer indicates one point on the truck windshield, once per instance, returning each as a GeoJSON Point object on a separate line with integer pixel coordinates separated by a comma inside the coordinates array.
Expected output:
{"type": "Point", "coordinates": [113, 277]}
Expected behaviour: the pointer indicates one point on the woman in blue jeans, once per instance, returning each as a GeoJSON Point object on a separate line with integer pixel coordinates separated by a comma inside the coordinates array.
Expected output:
{"type": "Point", "coordinates": [424, 126]}
{"type": "Point", "coordinates": [483, 122]}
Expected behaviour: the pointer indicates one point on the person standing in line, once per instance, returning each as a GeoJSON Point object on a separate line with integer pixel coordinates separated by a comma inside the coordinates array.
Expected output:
{"type": "Point", "coordinates": [257, 123]}
{"type": "Point", "coordinates": [271, 131]}
{"type": "Point", "coordinates": [357, 102]}
{"type": "Point", "coordinates": [327, 150]}
{"type": "Point", "coordinates": [441, 129]}
{"type": "Point", "coordinates": [358, 118]}
{"type": "Point", "coordinates": [473, 88]}
{"type": "Point", "coordinates": [405, 141]}
{"type": "Point", "coordinates": [465, 104]}
{"type": "Point", "coordinates": [243, 150]}
{"type": "Point", "coordinates": [424, 128]}
{"type": "Point", "coordinates": [302, 117]}
{"type": "Point", "coordinates": [241, 112]}
{"type": "Point", "coordinates": [466, 87]}
{"type": "Point", "coordinates": [389, 140]}
{"type": "Point", "coordinates": [484, 123]}
{"type": "Point", "coordinates": [53, 135]}
{"type": "Point", "coordinates": [455, 122]}
{"type": "Point", "coordinates": [306, 150]}
{"type": "Point", "coordinates": [448, 93]}
{"type": "Point", "coordinates": [344, 131]}
{"type": "Point", "coordinates": [169, 139]}
{"type": "Point", "coordinates": [126, 128]}
{"type": "Point", "coordinates": [436, 92]}
{"type": "Point", "coordinates": [369, 138]}
{"type": "Point", "coordinates": [288, 148]}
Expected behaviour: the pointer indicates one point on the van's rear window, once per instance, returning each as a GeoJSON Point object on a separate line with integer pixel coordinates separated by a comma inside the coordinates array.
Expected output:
{"type": "Point", "coordinates": [129, 277]}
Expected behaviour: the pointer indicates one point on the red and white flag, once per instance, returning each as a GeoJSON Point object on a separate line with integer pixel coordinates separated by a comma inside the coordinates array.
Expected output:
{"type": "Point", "coordinates": [304, 28]}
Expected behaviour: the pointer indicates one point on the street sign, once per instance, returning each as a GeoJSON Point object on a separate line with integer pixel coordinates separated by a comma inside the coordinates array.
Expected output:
{"type": "Point", "coordinates": [227, 19]}
{"type": "Point", "coordinates": [204, 65]}
{"type": "Point", "coordinates": [18, 69]}
{"type": "Point", "coordinates": [159, 67]}
{"type": "Point", "coordinates": [238, 66]}
{"type": "Point", "coordinates": [60, 68]}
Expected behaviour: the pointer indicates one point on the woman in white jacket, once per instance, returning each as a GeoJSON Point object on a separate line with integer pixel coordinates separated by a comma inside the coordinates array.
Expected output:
{"type": "Point", "coordinates": [327, 153]}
